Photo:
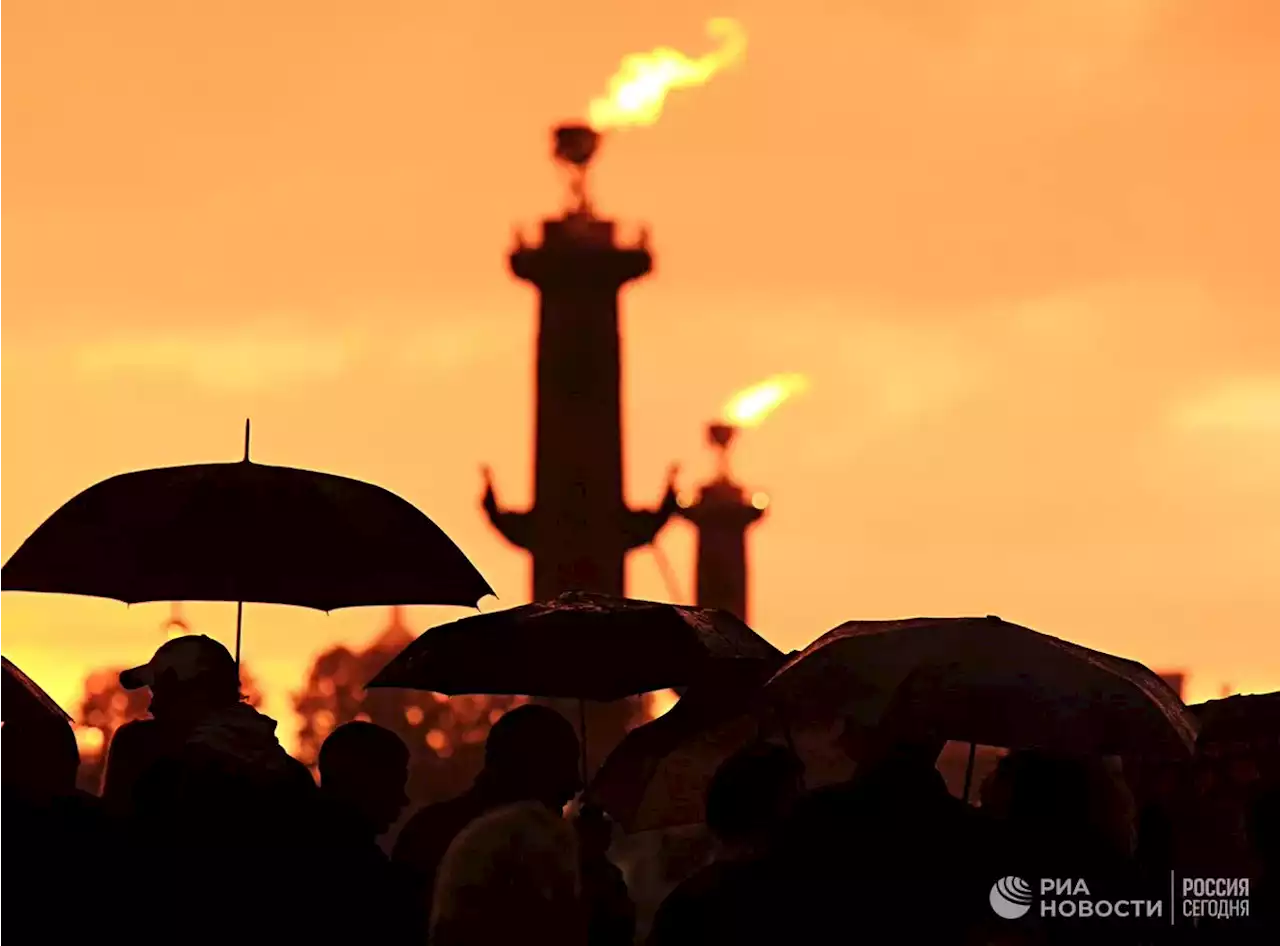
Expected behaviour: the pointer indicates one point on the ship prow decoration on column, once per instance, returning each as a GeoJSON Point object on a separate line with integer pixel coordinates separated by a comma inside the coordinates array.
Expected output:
{"type": "Point", "coordinates": [579, 528]}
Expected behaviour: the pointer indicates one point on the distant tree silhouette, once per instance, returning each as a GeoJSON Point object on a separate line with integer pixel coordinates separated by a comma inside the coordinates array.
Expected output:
{"type": "Point", "coordinates": [106, 706]}
{"type": "Point", "coordinates": [445, 735]}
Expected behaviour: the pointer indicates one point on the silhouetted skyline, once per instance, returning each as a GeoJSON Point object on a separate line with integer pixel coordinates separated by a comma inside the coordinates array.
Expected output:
{"type": "Point", "coordinates": [1023, 251]}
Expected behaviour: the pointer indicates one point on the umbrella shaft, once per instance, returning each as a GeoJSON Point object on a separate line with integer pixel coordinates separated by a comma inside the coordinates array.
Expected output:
{"type": "Point", "coordinates": [582, 738]}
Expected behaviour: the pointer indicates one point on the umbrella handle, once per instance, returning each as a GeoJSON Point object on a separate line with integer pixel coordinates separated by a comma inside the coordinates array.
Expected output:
{"type": "Point", "coordinates": [968, 770]}
{"type": "Point", "coordinates": [582, 739]}
{"type": "Point", "coordinates": [786, 729]}
{"type": "Point", "coordinates": [240, 604]}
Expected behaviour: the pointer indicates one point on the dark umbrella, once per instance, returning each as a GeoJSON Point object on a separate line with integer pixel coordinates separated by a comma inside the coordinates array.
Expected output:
{"type": "Point", "coordinates": [983, 680]}
{"type": "Point", "coordinates": [244, 532]}
{"type": "Point", "coordinates": [25, 702]}
{"type": "Point", "coordinates": [579, 646]}
{"type": "Point", "coordinates": [976, 680]}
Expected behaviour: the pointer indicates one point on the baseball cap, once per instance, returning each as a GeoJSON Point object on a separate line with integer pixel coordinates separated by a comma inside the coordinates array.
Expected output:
{"type": "Point", "coordinates": [184, 658]}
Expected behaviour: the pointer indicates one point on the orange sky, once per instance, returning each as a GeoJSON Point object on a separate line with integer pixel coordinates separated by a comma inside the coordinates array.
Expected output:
{"type": "Point", "coordinates": [1024, 249]}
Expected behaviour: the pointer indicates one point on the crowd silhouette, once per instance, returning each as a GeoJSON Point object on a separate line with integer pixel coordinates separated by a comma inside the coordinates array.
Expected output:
{"type": "Point", "coordinates": [220, 836]}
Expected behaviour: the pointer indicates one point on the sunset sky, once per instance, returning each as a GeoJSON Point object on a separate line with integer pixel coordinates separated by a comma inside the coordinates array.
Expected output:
{"type": "Point", "coordinates": [1024, 250]}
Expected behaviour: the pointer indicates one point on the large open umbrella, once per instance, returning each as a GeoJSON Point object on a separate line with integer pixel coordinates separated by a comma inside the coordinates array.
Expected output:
{"type": "Point", "coordinates": [985, 681]}
{"type": "Point", "coordinates": [977, 680]}
{"type": "Point", "coordinates": [579, 646]}
{"type": "Point", "coordinates": [244, 532]}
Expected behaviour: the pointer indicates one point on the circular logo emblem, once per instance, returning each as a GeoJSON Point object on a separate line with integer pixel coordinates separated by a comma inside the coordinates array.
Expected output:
{"type": "Point", "coordinates": [1010, 897]}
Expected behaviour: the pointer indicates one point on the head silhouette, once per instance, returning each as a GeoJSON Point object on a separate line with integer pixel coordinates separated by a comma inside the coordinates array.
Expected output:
{"type": "Point", "coordinates": [752, 792]}
{"type": "Point", "coordinates": [532, 755]}
{"type": "Point", "coordinates": [189, 677]}
{"type": "Point", "coordinates": [510, 876]}
{"type": "Point", "coordinates": [365, 768]}
{"type": "Point", "coordinates": [41, 758]}
{"type": "Point", "coordinates": [1047, 792]}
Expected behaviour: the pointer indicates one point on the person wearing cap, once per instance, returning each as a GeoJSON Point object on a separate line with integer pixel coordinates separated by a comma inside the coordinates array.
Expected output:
{"type": "Point", "coordinates": [196, 706]}
{"type": "Point", "coordinates": [210, 796]}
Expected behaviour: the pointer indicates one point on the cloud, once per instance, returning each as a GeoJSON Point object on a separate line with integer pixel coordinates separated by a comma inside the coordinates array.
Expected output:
{"type": "Point", "coordinates": [447, 347]}
{"type": "Point", "coordinates": [908, 374]}
{"type": "Point", "coordinates": [1241, 405]}
{"type": "Point", "coordinates": [237, 360]}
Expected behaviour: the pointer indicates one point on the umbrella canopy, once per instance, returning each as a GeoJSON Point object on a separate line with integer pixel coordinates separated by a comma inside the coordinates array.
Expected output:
{"type": "Point", "coordinates": [986, 681]}
{"type": "Point", "coordinates": [579, 646]}
{"type": "Point", "coordinates": [24, 702]}
{"type": "Point", "coordinates": [244, 532]}
{"type": "Point", "coordinates": [977, 680]}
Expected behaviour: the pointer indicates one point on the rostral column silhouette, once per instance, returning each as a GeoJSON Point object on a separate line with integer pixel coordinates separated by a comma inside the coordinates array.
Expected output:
{"type": "Point", "coordinates": [579, 529]}
{"type": "Point", "coordinates": [722, 515]}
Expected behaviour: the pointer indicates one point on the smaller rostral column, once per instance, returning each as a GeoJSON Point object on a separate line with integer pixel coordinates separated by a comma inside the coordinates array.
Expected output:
{"type": "Point", "coordinates": [722, 515]}
{"type": "Point", "coordinates": [724, 511]}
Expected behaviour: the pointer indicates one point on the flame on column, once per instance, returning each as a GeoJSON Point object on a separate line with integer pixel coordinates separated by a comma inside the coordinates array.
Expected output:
{"type": "Point", "coordinates": [639, 88]}
{"type": "Point", "coordinates": [748, 408]}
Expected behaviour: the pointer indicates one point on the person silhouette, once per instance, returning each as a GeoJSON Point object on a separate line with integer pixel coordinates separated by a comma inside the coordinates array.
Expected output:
{"type": "Point", "coordinates": [50, 825]}
{"type": "Point", "coordinates": [531, 755]}
{"type": "Point", "coordinates": [196, 709]}
{"type": "Point", "coordinates": [207, 788]}
{"type": "Point", "coordinates": [747, 803]}
{"type": "Point", "coordinates": [1262, 824]}
{"type": "Point", "coordinates": [611, 914]}
{"type": "Point", "coordinates": [510, 876]}
{"type": "Point", "coordinates": [866, 853]}
{"type": "Point", "coordinates": [364, 769]}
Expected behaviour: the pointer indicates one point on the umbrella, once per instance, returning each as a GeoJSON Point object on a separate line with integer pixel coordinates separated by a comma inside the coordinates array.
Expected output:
{"type": "Point", "coordinates": [976, 680]}
{"type": "Point", "coordinates": [25, 702]}
{"type": "Point", "coordinates": [244, 532]}
{"type": "Point", "coordinates": [983, 681]}
{"type": "Point", "coordinates": [579, 646]}
{"type": "Point", "coordinates": [39, 739]}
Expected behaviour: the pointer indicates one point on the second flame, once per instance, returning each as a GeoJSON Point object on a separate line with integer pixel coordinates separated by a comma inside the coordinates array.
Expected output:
{"type": "Point", "coordinates": [748, 408]}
